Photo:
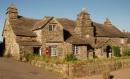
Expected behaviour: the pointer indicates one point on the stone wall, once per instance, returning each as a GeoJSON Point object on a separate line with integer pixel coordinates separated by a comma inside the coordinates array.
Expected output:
{"type": "Point", "coordinates": [39, 35]}
{"type": "Point", "coordinates": [52, 36]}
{"type": "Point", "coordinates": [67, 48]}
{"type": "Point", "coordinates": [59, 48]}
{"type": "Point", "coordinates": [82, 52]}
{"type": "Point", "coordinates": [26, 49]}
{"type": "Point", "coordinates": [114, 41]}
{"type": "Point", "coordinates": [106, 41]}
{"type": "Point", "coordinates": [11, 46]}
{"type": "Point", "coordinates": [60, 68]}
{"type": "Point", "coordinates": [21, 38]}
{"type": "Point", "coordinates": [81, 71]}
{"type": "Point", "coordinates": [128, 45]}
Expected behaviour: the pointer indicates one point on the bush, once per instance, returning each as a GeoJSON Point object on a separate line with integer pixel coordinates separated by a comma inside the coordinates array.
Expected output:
{"type": "Point", "coordinates": [116, 51]}
{"type": "Point", "coordinates": [28, 56]}
{"type": "Point", "coordinates": [126, 52]}
{"type": "Point", "coordinates": [70, 57]}
{"type": "Point", "coordinates": [45, 58]}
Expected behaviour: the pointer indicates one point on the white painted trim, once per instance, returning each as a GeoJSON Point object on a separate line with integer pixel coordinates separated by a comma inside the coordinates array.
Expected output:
{"type": "Point", "coordinates": [40, 51]}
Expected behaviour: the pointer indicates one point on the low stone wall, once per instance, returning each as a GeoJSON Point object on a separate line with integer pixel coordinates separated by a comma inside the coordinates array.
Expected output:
{"type": "Point", "coordinates": [59, 68]}
{"type": "Point", "coordinates": [83, 70]}
{"type": "Point", "coordinates": [90, 69]}
{"type": "Point", "coordinates": [125, 63]}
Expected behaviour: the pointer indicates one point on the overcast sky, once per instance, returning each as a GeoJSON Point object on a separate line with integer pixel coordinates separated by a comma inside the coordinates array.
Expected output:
{"type": "Point", "coordinates": [118, 11]}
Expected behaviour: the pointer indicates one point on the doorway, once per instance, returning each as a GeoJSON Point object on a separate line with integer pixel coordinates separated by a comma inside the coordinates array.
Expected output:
{"type": "Point", "coordinates": [108, 51]}
{"type": "Point", "coordinates": [90, 51]}
{"type": "Point", "coordinates": [36, 50]}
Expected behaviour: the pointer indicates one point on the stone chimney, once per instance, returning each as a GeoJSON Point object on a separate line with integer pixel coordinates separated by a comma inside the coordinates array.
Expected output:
{"type": "Point", "coordinates": [83, 18]}
{"type": "Point", "coordinates": [12, 12]}
{"type": "Point", "coordinates": [83, 23]}
{"type": "Point", "coordinates": [107, 23]}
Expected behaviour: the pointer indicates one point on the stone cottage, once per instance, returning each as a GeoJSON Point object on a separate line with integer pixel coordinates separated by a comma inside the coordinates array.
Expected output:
{"type": "Point", "coordinates": [57, 36]}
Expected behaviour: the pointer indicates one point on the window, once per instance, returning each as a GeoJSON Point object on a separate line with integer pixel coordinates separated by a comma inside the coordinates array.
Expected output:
{"type": "Point", "coordinates": [53, 50]}
{"type": "Point", "coordinates": [75, 49]}
{"type": "Point", "coordinates": [52, 27]}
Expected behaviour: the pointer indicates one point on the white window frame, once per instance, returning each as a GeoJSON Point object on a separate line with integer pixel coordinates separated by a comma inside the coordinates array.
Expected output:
{"type": "Point", "coordinates": [75, 49]}
{"type": "Point", "coordinates": [53, 50]}
{"type": "Point", "coordinates": [51, 27]}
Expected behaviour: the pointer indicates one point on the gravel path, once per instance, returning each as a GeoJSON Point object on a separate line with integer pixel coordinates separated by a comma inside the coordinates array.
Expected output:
{"type": "Point", "coordinates": [11, 69]}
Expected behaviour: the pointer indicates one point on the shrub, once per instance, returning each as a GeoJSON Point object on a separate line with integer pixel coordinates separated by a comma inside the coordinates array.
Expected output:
{"type": "Point", "coordinates": [126, 52]}
{"type": "Point", "coordinates": [45, 58]}
{"type": "Point", "coordinates": [70, 57]}
{"type": "Point", "coordinates": [28, 56]}
{"type": "Point", "coordinates": [116, 51]}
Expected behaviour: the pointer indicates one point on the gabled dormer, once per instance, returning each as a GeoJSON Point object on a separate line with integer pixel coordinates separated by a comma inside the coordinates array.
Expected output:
{"type": "Point", "coordinates": [54, 26]}
{"type": "Point", "coordinates": [49, 30]}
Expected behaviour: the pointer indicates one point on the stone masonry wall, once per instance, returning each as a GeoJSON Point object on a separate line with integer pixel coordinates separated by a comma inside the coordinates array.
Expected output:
{"type": "Point", "coordinates": [21, 38]}
{"type": "Point", "coordinates": [11, 46]}
{"type": "Point", "coordinates": [52, 36]}
{"type": "Point", "coordinates": [39, 35]}
{"type": "Point", "coordinates": [115, 41]}
{"type": "Point", "coordinates": [81, 71]}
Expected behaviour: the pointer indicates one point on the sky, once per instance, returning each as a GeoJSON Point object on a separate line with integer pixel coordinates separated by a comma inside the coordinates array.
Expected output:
{"type": "Point", "coordinates": [118, 11]}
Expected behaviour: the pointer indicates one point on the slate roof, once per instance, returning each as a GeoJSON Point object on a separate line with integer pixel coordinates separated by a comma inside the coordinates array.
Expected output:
{"type": "Point", "coordinates": [103, 31]}
{"type": "Point", "coordinates": [76, 39]}
{"type": "Point", "coordinates": [42, 22]}
{"type": "Point", "coordinates": [24, 27]}
{"type": "Point", "coordinates": [101, 43]}
{"type": "Point", "coordinates": [68, 24]}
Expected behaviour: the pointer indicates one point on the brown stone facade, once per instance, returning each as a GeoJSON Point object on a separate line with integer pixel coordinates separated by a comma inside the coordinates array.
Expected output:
{"type": "Point", "coordinates": [58, 36]}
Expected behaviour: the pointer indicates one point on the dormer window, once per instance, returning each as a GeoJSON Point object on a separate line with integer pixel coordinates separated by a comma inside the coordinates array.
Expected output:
{"type": "Point", "coordinates": [52, 27]}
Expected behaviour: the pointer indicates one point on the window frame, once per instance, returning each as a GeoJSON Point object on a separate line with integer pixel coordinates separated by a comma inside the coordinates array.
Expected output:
{"type": "Point", "coordinates": [75, 49]}
{"type": "Point", "coordinates": [51, 27]}
{"type": "Point", "coordinates": [53, 50]}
